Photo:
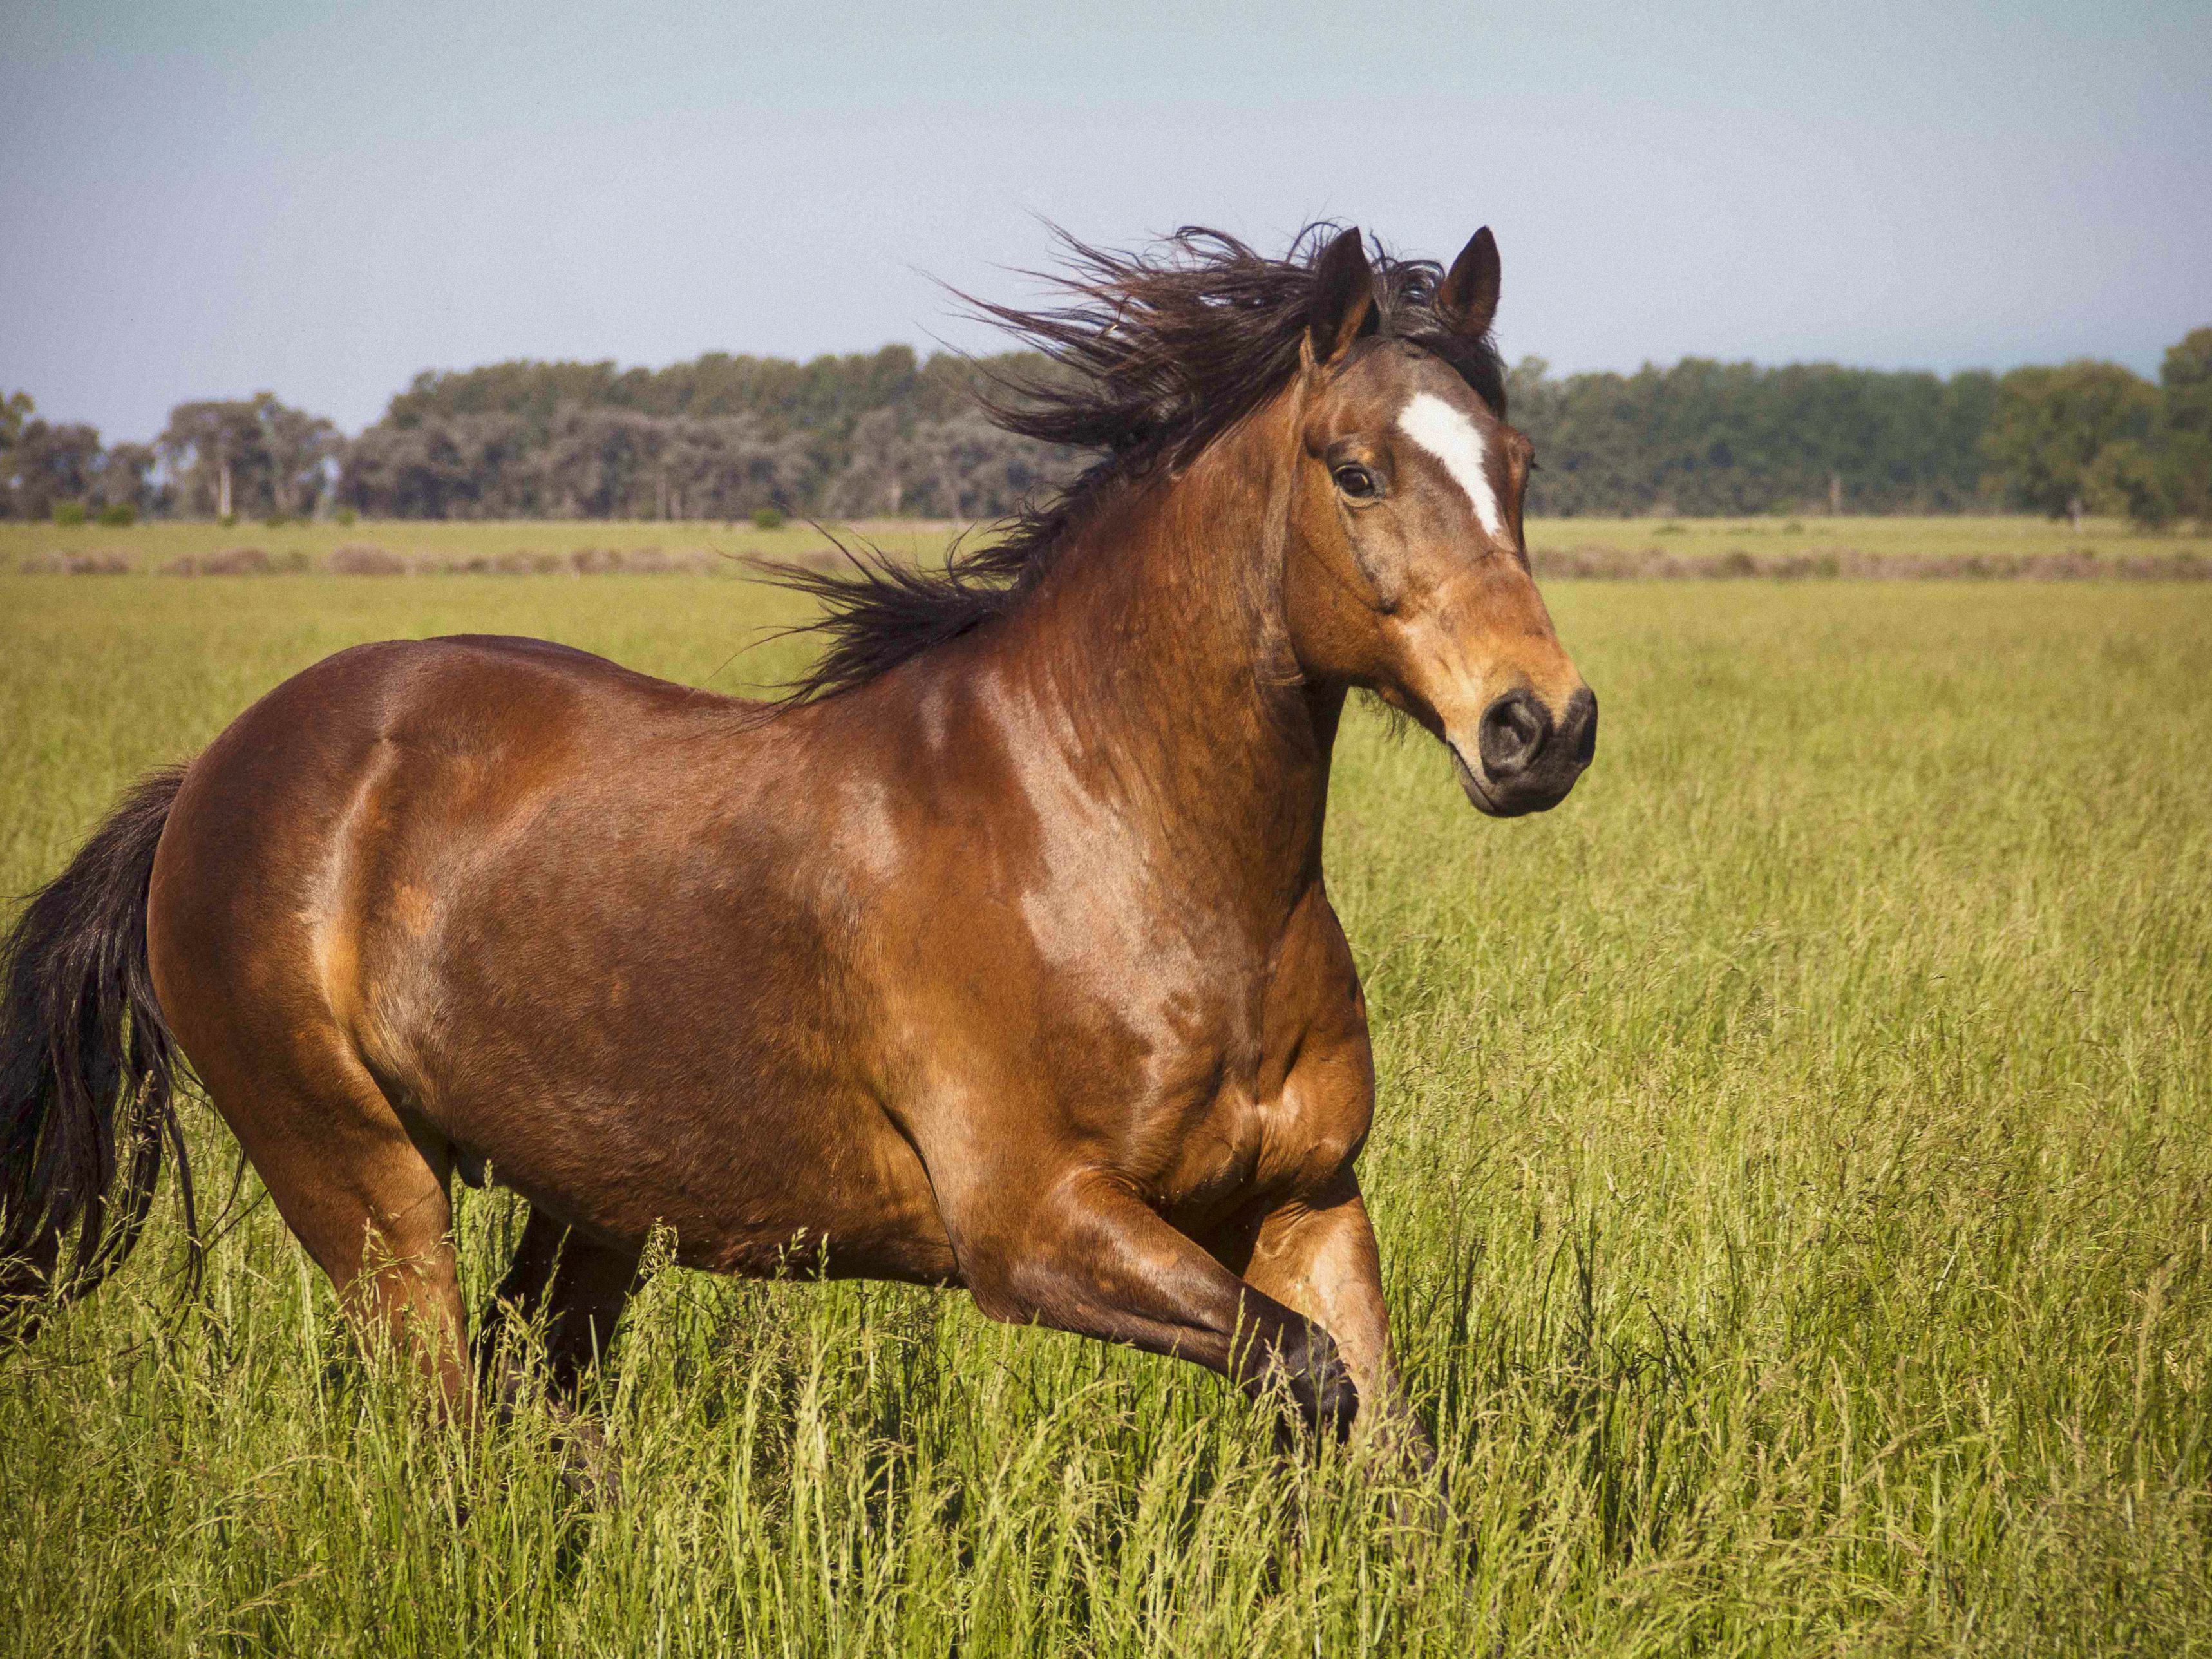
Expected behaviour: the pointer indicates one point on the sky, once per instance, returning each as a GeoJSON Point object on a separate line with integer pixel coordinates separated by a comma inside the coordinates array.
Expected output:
{"type": "Point", "coordinates": [208, 200]}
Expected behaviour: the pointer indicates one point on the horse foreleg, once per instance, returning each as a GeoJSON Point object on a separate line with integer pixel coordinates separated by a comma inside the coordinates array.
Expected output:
{"type": "Point", "coordinates": [1316, 1254]}
{"type": "Point", "coordinates": [1084, 1254]}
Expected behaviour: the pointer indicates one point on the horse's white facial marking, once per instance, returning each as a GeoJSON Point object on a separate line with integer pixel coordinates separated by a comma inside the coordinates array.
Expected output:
{"type": "Point", "coordinates": [1454, 440]}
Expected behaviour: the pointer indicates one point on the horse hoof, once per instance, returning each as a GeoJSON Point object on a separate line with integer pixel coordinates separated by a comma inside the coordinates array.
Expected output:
{"type": "Point", "coordinates": [591, 1465]}
{"type": "Point", "coordinates": [1320, 1384]}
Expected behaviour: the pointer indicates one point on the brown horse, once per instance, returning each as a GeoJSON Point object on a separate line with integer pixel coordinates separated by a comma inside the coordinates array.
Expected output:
{"type": "Point", "coordinates": [997, 956]}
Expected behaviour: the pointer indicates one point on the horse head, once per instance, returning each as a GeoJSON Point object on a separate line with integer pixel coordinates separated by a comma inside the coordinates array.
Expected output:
{"type": "Point", "coordinates": [1405, 570]}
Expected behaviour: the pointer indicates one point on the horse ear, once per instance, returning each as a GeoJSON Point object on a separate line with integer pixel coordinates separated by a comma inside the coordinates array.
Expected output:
{"type": "Point", "coordinates": [1469, 299]}
{"type": "Point", "coordinates": [1344, 297]}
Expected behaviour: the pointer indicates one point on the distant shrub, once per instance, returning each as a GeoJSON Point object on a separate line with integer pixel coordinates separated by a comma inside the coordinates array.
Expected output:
{"type": "Point", "coordinates": [363, 559]}
{"type": "Point", "coordinates": [68, 513]}
{"type": "Point", "coordinates": [346, 516]}
{"type": "Point", "coordinates": [523, 563]}
{"type": "Point", "coordinates": [116, 515]}
{"type": "Point", "coordinates": [76, 564]}
{"type": "Point", "coordinates": [768, 517]}
{"type": "Point", "coordinates": [638, 562]}
{"type": "Point", "coordinates": [233, 562]}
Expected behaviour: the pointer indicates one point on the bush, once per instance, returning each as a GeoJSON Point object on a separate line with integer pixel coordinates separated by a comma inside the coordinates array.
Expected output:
{"type": "Point", "coordinates": [68, 513]}
{"type": "Point", "coordinates": [116, 515]}
{"type": "Point", "coordinates": [76, 564]}
{"type": "Point", "coordinates": [768, 517]}
{"type": "Point", "coordinates": [232, 562]}
{"type": "Point", "coordinates": [345, 515]}
{"type": "Point", "coordinates": [365, 559]}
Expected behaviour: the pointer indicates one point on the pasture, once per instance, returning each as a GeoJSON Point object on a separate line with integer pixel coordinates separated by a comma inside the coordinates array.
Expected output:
{"type": "Point", "coordinates": [1812, 543]}
{"type": "Point", "coordinates": [1793, 1163]}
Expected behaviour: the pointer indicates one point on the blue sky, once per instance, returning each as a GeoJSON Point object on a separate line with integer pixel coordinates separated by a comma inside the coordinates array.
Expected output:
{"type": "Point", "coordinates": [200, 200]}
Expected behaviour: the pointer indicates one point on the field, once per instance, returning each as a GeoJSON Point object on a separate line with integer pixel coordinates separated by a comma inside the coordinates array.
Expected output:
{"type": "Point", "coordinates": [1793, 1161]}
{"type": "Point", "coordinates": [1810, 544]}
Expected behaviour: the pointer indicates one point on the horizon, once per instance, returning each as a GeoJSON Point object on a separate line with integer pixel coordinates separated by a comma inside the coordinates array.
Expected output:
{"type": "Point", "coordinates": [326, 202]}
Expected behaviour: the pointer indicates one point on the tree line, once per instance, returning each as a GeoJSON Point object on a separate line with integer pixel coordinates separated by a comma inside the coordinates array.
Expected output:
{"type": "Point", "coordinates": [889, 433]}
{"type": "Point", "coordinates": [250, 457]}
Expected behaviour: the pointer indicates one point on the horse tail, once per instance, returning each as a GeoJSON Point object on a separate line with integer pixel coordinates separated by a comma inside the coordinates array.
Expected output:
{"type": "Point", "coordinates": [87, 1071]}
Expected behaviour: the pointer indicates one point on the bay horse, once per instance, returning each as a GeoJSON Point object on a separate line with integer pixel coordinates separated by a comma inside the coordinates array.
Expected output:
{"type": "Point", "coordinates": [997, 954]}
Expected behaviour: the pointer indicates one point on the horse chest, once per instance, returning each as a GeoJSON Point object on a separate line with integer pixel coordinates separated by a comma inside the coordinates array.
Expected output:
{"type": "Point", "coordinates": [1268, 1093]}
{"type": "Point", "coordinates": [1287, 1125]}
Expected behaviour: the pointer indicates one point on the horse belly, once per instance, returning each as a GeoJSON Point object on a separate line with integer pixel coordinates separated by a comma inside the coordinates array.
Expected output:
{"type": "Point", "coordinates": [774, 1188]}
{"type": "Point", "coordinates": [610, 1075]}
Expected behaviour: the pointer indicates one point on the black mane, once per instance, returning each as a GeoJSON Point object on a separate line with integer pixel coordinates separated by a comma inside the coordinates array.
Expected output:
{"type": "Point", "coordinates": [1153, 356]}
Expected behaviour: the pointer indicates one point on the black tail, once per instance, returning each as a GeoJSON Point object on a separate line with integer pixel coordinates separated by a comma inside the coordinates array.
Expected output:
{"type": "Point", "coordinates": [88, 1070]}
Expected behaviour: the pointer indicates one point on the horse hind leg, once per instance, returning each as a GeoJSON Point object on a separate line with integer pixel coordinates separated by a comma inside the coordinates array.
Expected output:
{"type": "Point", "coordinates": [577, 1287]}
{"type": "Point", "coordinates": [579, 1290]}
{"type": "Point", "coordinates": [364, 1192]}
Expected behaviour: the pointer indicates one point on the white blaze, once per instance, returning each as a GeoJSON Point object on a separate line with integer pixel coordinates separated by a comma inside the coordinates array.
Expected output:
{"type": "Point", "coordinates": [1454, 440]}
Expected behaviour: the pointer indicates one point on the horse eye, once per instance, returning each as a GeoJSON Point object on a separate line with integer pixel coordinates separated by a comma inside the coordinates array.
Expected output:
{"type": "Point", "coordinates": [1356, 481]}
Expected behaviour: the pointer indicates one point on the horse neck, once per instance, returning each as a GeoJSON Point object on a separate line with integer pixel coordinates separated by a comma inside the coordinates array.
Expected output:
{"type": "Point", "coordinates": [1162, 636]}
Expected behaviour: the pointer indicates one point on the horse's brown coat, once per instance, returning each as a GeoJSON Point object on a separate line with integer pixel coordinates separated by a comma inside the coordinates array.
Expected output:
{"type": "Point", "coordinates": [1012, 968]}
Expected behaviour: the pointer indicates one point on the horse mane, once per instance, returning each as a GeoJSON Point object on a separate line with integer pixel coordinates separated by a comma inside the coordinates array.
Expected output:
{"type": "Point", "coordinates": [1151, 355]}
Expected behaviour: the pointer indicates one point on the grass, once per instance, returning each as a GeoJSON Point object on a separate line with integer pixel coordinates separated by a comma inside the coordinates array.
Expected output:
{"type": "Point", "coordinates": [1794, 1164]}
{"type": "Point", "coordinates": [147, 547]}
{"type": "Point", "coordinates": [1991, 540]}
{"type": "Point", "coordinates": [1961, 537]}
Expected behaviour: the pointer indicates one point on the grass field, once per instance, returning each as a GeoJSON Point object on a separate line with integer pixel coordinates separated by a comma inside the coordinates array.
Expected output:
{"type": "Point", "coordinates": [1992, 541]}
{"type": "Point", "coordinates": [1793, 1160]}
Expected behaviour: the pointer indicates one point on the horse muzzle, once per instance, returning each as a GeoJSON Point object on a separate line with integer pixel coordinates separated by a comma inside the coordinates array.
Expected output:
{"type": "Point", "coordinates": [1525, 759]}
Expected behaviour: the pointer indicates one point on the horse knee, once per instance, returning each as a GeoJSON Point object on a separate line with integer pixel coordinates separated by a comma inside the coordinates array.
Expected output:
{"type": "Point", "coordinates": [1306, 1361]}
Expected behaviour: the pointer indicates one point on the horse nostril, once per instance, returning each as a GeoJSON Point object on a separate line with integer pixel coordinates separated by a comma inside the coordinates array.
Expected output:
{"type": "Point", "coordinates": [1581, 724]}
{"type": "Point", "coordinates": [1512, 734]}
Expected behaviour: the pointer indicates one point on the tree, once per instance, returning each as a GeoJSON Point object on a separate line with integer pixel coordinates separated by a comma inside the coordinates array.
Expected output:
{"type": "Point", "coordinates": [299, 447]}
{"type": "Point", "coordinates": [2049, 425]}
{"type": "Point", "coordinates": [16, 410]}
{"type": "Point", "coordinates": [126, 478]}
{"type": "Point", "coordinates": [2183, 445]}
{"type": "Point", "coordinates": [252, 455]}
{"type": "Point", "coordinates": [205, 445]}
{"type": "Point", "coordinates": [47, 464]}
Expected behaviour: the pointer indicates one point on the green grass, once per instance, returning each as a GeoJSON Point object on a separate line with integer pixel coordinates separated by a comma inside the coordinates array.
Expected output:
{"type": "Point", "coordinates": [1794, 1164]}
{"type": "Point", "coordinates": [147, 547]}
{"type": "Point", "coordinates": [1960, 536]}
{"type": "Point", "coordinates": [1991, 539]}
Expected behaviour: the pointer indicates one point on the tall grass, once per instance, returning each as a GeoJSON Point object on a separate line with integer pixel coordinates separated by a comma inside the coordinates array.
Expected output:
{"type": "Point", "coordinates": [1794, 1164]}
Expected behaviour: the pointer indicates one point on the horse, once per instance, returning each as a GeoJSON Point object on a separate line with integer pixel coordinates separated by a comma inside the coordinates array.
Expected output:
{"type": "Point", "coordinates": [996, 954]}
